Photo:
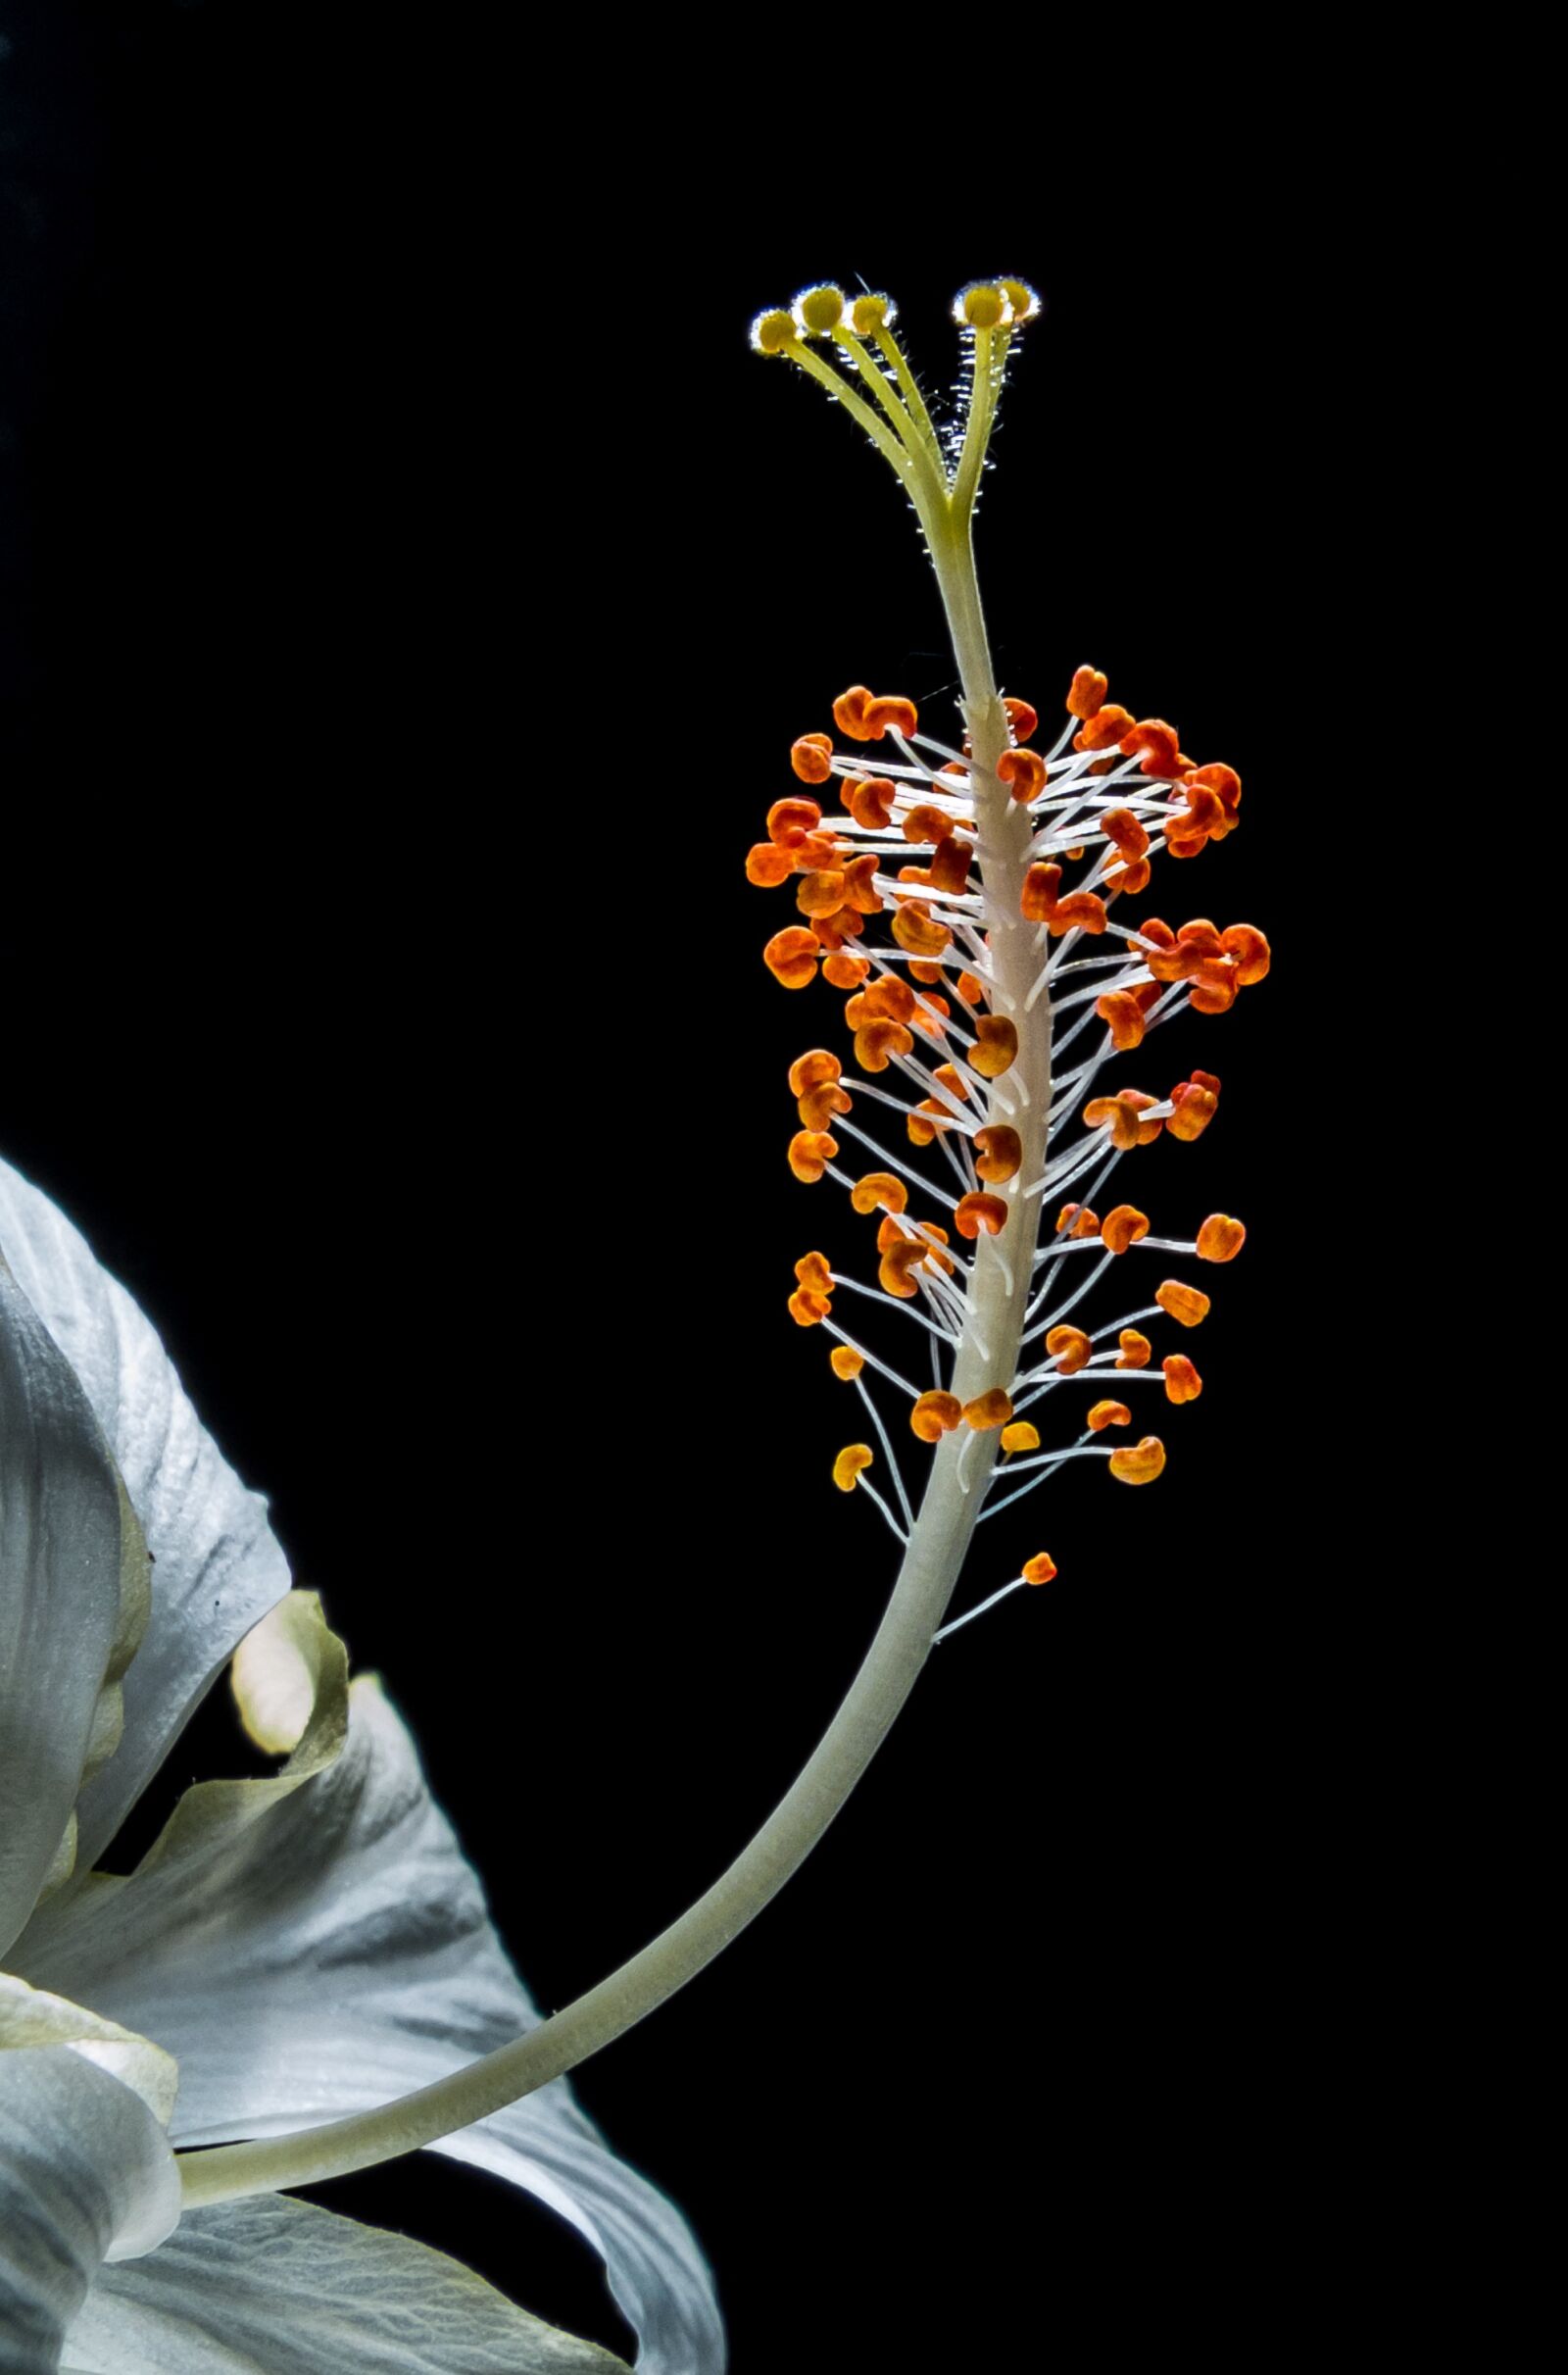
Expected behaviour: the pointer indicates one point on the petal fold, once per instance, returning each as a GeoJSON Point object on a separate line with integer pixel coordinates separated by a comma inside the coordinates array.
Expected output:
{"type": "Point", "coordinates": [86, 2168]}
{"type": "Point", "coordinates": [279, 2287]}
{"type": "Point", "coordinates": [316, 1944]}
{"type": "Point", "coordinates": [217, 1566]}
{"type": "Point", "coordinates": [73, 1603]}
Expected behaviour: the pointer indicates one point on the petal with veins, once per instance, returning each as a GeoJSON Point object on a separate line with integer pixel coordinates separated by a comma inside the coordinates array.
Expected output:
{"type": "Point", "coordinates": [73, 1591]}
{"type": "Point", "coordinates": [85, 2171]}
{"type": "Point", "coordinates": [316, 1944]}
{"type": "Point", "coordinates": [217, 1566]}
{"type": "Point", "coordinates": [275, 2283]}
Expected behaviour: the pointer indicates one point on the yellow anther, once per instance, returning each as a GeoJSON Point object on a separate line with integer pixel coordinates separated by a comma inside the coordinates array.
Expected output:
{"type": "Point", "coordinates": [1020, 1437]}
{"type": "Point", "coordinates": [869, 314]}
{"type": "Point", "coordinates": [847, 1362]}
{"type": "Point", "coordinates": [819, 310]}
{"type": "Point", "coordinates": [771, 333]}
{"type": "Point", "coordinates": [1024, 301]}
{"type": "Point", "coordinates": [981, 307]}
{"type": "Point", "coordinates": [848, 1467]}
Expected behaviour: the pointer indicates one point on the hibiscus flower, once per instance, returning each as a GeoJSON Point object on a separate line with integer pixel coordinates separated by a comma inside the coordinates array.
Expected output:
{"type": "Point", "coordinates": [291, 1949]}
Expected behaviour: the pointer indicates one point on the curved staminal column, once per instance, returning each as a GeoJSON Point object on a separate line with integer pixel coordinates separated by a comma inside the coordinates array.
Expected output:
{"type": "Point", "coordinates": [989, 1113]}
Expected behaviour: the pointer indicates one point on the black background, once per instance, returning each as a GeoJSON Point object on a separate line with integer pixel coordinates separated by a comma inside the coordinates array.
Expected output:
{"type": "Point", "coordinates": [413, 586]}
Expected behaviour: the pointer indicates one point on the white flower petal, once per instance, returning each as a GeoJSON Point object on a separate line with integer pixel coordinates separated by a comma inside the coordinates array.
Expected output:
{"type": "Point", "coordinates": [278, 2287]}
{"type": "Point", "coordinates": [32, 2017]}
{"type": "Point", "coordinates": [218, 1567]}
{"type": "Point", "coordinates": [314, 1945]}
{"type": "Point", "coordinates": [73, 1578]}
{"type": "Point", "coordinates": [85, 2169]}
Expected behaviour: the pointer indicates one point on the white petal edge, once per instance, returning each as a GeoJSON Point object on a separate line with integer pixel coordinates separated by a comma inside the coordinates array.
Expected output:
{"type": "Point", "coordinates": [274, 2286]}
{"type": "Point", "coordinates": [85, 2171]}
{"type": "Point", "coordinates": [73, 1600]}
{"type": "Point", "coordinates": [217, 1566]}
{"type": "Point", "coordinates": [317, 1943]}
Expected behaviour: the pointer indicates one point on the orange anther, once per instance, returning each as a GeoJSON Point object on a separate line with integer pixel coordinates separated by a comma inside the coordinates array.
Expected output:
{"type": "Point", "coordinates": [915, 928]}
{"type": "Point", "coordinates": [1086, 693]}
{"type": "Point", "coordinates": [1024, 771]}
{"type": "Point", "coordinates": [1160, 746]}
{"type": "Point", "coordinates": [1136, 1350]}
{"type": "Point", "coordinates": [1226, 785]}
{"type": "Point", "coordinates": [808, 1071]}
{"type": "Point", "coordinates": [1125, 1113]}
{"type": "Point", "coordinates": [927, 824]}
{"type": "Point", "coordinates": [949, 870]}
{"type": "Point", "coordinates": [1023, 718]}
{"type": "Point", "coordinates": [1186, 1303]}
{"type": "Point", "coordinates": [848, 713]}
{"type": "Point", "coordinates": [925, 1122]}
{"type": "Point", "coordinates": [999, 1152]}
{"type": "Point", "coordinates": [820, 893]}
{"type": "Point", "coordinates": [974, 1213]}
{"type": "Point", "coordinates": [1182, 1381]}
{"type": "Point", "coordinates": [1121, 1010]}
{"type": "Point", "coordinates": [888, 995]}
{"type": "Point", "coordinates": [930, 1013]}
{"type": "Point", "coordinates": [1197, 1101]}
{"type": "Point", "coordinates": [852, 1462]}
{"type": "Point", "coordinates": [1246, 943]}
{"type": "Point", "coordinates": [830, 931]}
{"type": "Point", "coordinates": [879, 1039]}
{"type": "Point", "coordinates": [935, 1415]}
{"type": "Point", "coordinates": [1138, 1462]}
{"type": "Point", "coordinates": [971, 989]}
{"type": "Point", "coordinates": [890, 712]}
{"type": "Point", "coordinates": [818, 1105]}
{"type": "Point", "coordinates": [843, 971]}
{"type": "Point", "coordinates": [791, 956]}
{"type": "Point", "coordinates": [790, 820]}
{"type": "Point", "coordinates": [1077, 1221]}
{"type": "Point", "coordinates": [1220, 1239]}
{"type": "Point", "coordinates": [1020, 1436]}
{"type": "Point", "coordinates": [809, 757]}
{"type": "Point", "coordinates": [996, 1048]}
{"type": "Point", "coordinates": [879, 1190]}
{"type": "Point", "coordinates": [953, 1082]}
{"type": "Point", "coordinates": [870, 803]}
{"type": "Point", "coordinates": [1126, 829]}
{"type": "Point", "coordinates": [1122, 1227]}
{"type": "Point", "coordinates": [1105, 729]}
{"type": "Point", "coordinates": [808, 1309]}
{"type": "Point", "coordinates": [1109, 1414]}
{"type": "Point", "coordinates": [768, 865]}
{"type": "Point", "coordinates": [860, 889]}
{"type": "Point", "coordinates": [1083, 911]}
{"type": "Point", "coordinates": [1040, 1569]}
{"type": "Point", "coordinates": [1133, 876]}
{"type": "Point", "coordinates": [810, 1153]}
{"type": "Point", "coordinates": [992, 1409]}
{"type": "Point", "coordinates": [899, 1260]}
{"type": "Point", "coordinates": [930, 1241]}
{"type": "Point", "coordinates": [814, 1273]}
{"type": "Point", "coordinates": [1069, 1348]}
{"type": "Point", "coordinates": [815, 849]}
{"type": "Point", "coordinates": [846, 1362]}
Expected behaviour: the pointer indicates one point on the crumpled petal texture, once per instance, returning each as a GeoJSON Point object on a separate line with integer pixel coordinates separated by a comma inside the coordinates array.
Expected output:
{"type": "Point", "coordinates": [63, 1575]}
{"type": "Point", "coordinates": [316, 1944]}
{"type": "Point", "coordinates": [278, 2287]}
{"type": "Point", "coordinates": [217, 1566]}
{"type": "Point", "coordinates": [85, 2169]}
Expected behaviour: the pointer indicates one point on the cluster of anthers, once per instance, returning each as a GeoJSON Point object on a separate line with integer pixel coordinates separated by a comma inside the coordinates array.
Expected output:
{"type": "Point", "coordinates": [933, 897]}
